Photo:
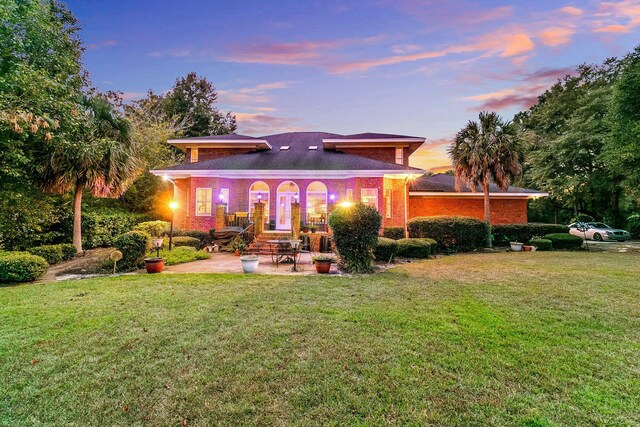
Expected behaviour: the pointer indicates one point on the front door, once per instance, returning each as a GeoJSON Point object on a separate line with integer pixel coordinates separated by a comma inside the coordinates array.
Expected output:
{"type": "Point", "coordinates": [283, 221]}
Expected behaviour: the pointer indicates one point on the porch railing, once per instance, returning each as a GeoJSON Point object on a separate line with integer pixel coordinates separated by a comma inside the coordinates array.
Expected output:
{"type": "Point", "coordinates": [316, 221]}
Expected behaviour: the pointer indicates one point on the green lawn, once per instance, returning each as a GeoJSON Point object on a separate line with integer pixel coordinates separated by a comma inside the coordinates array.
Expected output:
{"type": "Point", "coordinates": [535, 339]}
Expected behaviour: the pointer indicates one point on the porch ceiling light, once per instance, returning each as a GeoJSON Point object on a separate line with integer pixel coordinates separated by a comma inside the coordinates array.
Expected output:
{"type": "Point", "coordinates": [296, 197]}
{"type": "Point", "coordinates": [259, 196]}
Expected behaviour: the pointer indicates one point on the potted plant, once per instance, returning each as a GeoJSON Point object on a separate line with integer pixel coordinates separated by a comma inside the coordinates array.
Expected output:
{"type": "Point", "coordinates": [323, 263]}
{"type": "Point", "coordinates": [155, 264]}
{"type": "Point", "coordinates": [304, 227]}
{"type": "Point", "coordinates": [238, 245]}
{"type": "Point", "coordinates": [527, 248]}
{"type": "Point", "coordinates": [272, 225]}
{"type": "Point", "coordinates": [249, 263]}
{"type": "Point", "coordinates": [312, 228]}
{"type": "Point", "coordinates": [516, 246]}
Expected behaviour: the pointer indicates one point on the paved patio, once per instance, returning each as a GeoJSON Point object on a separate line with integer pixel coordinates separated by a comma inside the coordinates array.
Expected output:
{"type": "Point", "coordinates": [229, 263]}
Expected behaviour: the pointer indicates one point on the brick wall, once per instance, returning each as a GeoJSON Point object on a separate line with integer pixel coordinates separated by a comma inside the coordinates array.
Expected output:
{"type": "Point", "coordinates": [215, 153]}
{"type": "Point", "coordinates": [503, 211]}
{"type": "Point", "coordinates": [383, 154]}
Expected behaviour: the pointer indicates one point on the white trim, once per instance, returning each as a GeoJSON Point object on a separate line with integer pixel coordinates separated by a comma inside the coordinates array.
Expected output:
{"type": "Point", "coordinates": [210, 203]}
{"type": "Point", "coordinates": [194, 155]}
{"type": "Point", "coordinates": [388, 207]}
{"type": "Point", "coordinates": [268, 192]}
{"type": "Point", "coordinates": [286, 174]}
{"type": "Point", "coordinates": [235, 142]}
{"type": "Point", "coordinates": [472, 195]}
{"type": "Point", "coordinates": [409, 139]}
{"type": "Point", "coordinates": [290, 197]}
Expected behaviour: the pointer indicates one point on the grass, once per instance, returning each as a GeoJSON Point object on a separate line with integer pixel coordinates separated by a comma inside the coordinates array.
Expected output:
{"type": "Point", "coordinates": [182, 254]}
{"type": "Point", "coordinates": [531, 339]}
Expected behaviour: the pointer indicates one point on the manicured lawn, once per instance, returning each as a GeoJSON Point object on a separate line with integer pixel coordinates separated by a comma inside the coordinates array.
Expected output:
{"type": "Point", "coordinates": [539, 339]}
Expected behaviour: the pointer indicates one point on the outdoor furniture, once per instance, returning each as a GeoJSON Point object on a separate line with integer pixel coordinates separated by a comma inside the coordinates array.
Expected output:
{"type": "Point", "coordinates": [281, 251]}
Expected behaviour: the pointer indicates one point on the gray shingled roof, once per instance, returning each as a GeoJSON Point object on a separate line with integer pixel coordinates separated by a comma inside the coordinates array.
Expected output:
{"type": "Point", "coordinates": [297, 157]}
{"type": "Point", "coordinates": [370, 135]}
{"type": "Point", "coordinates": [227, 137]}
{"type": "Point", "coordinates": [447, 184]}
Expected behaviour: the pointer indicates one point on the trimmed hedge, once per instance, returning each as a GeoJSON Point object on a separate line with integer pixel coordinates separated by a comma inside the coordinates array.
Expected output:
{"type": "Point", "coordinates": [99, 229]}
{"type": "Point", "coordinates": [633, 225]}
{"type": "Point", "coordinates": [204, 237]}
{"type": "Point", "coordinates": [416, 247]}
{"type": "Point", "coordinates": [395, 233]}
{"type": "Point", "coordinates": [542, 244]}
{"type": "Point", "coordinates": [564, 241]}
{"type": "Point", "coordinates": [183, 241]}
{"type": "Point", "coordinates": [51, 253]}
{"type": "Point", "coordinates": [134, 246]}
{"type": "Point", "coordinates": [505, 233]}
{"type": "Point", "coordinates": [154, 229]}
{"type": "Point", "coordinates": [355, 232]}
{"type": "Point", "coordinates": [453, 233]}
{"type": "Point", "coordinates": [68, 251]}
{"type": "Point", "coordinates": [386, 249]}
{"type": "Point", "coordinates": [21, 267]}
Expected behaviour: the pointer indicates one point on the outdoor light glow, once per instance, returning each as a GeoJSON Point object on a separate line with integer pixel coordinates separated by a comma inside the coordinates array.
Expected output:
{"type": "Point", "coordinates": [173, 205]}
{"type": "Point", "coordinates": [259, 196]}
{"type": "Point", "coordinates": [332, 197]}
{"type": "Point", "coordinates": [221, 197]}
{"type": "Point", "coordinates": [295, 196]}
{"type": "Point", "coordinates": [165, 177]}
{"type": "Point", "coordinates": [346, 204]}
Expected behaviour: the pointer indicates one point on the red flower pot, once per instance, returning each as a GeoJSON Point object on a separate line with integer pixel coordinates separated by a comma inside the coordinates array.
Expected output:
{"type": "Point", "coordinates": [323, 267]}
{"type": "Point", "coordinates": [153, 265]}
{"type": "Point", "coordinates": [527, 248]}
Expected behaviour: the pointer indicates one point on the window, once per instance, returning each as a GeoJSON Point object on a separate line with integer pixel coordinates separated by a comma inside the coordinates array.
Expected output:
{"type": "Point", "coordinates": [259, 191]}
{"type": "Point", "coordinates": [399, 156]}
{"type": "Point", "coordinates": [369, 196]}
{"type": "Point", "coordinates": [313, 147]}
{"type": "Point", "coordinates": [316, 203]}
{"type": "Point", "coordinates": [349, 194]}
{"type": "Point", "coordinates": [284, 147]}
{"type": "Point", "coordinates": [387, 203]}
{"type": "Point", "coordinates": [203, 201]}
{"type": "Point", "coordinates": [194, 155]}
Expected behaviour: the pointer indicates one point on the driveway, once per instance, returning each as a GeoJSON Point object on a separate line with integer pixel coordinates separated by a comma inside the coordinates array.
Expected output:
{"type": "Point", "coordinates": [616, 247]}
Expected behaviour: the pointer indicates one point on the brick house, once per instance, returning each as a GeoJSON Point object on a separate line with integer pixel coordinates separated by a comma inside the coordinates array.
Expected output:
{"type": "Point", "coordinates": [225, 176]}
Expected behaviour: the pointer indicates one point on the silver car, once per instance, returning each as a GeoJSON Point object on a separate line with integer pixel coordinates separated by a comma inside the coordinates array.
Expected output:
{"type": "Point", "coordinates": [600, 231]}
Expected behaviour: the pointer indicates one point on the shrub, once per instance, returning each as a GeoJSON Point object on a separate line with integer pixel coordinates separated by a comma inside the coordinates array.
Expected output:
{"type": "Point", "coordinates": [100, 228]}
{"type": "Point", "coordinates": [183, 241]}
{"type": "Point", "coordinates": [505, 233]}
{"type": "Point", "coordinates": [355, 232]}
{"type": "Point", "coordinates": [203, 237]}
{"type": "Point", "coordinates": [183, 254]}
{"type": "Point", "coordinates": [415, 248]}
{"type": "Point", "coordinates": [453, 233]}
{"type": "Point", "coordinates": [395, 233]}
{"type": "Point", "coordinates": [633, 224]}
{"type": "Point", "coordinates": [51, 253]}
{"type": "Point", "coordinates": [564, 240]}
{"type": "Point", "coordinates": [154, 228]}
{"type": "Point", "coordinates": [134, 246]}
{"type": "Point", "coordinates": [21, 267]}
{"type": "Point", "coordinates": [541, 244]}
{"type": "Point", "coordinates": [386, 249]}
{"type": "Point", "coordinates": [68, 251]}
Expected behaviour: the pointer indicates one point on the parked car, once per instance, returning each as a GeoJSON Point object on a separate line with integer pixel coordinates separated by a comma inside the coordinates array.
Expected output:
{"type": "Point", "coordinates": [600, 231]}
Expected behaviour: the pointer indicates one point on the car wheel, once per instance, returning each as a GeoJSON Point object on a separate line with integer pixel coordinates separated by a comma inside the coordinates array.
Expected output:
{"type": "Point", "coordinates": [597, 237]}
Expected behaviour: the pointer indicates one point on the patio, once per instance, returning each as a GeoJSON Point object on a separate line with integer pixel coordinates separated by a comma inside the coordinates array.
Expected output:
{"type": "Point", "coordinates": [228, 263]}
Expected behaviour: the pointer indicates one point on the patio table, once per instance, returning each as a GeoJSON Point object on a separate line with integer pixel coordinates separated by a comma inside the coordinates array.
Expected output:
{"type": "Point", "coordinates": [281, 251]}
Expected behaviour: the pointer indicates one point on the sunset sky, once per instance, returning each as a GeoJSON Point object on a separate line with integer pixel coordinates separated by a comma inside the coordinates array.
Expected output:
{"type": "Point", "coordinates": [415, 67]}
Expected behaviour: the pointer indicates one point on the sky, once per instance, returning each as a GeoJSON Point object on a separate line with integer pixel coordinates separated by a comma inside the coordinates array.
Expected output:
{"type": "Point", "coordinates": [412, 67]}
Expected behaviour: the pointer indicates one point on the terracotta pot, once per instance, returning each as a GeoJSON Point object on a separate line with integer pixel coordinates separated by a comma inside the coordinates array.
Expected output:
{"type": "Point", "coordinates": [153, 265]}
{"type": "Point", "coordinates": [527, 248]}
{"type": "Point", "coordinates": [323, 267]}
{"type": "Point", "coordinates": [236, 252]}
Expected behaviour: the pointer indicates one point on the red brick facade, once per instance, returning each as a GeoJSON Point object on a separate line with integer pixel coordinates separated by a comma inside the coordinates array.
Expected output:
{"type": "Point", "coordinates": [503, 211]}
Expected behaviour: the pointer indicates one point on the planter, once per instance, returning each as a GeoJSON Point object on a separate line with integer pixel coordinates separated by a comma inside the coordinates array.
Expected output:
{"type": "Point", "coordinates": [153, 265]}
{"type": "Point", "coordinates": [516, 247]}
{"type": "Point", "coordinates": [249, 263]}
{"type": "Point", "coordinates": [236, 252]}
{"type": "Point", "coordinates": [323, 267]}
{"type": "Point", "coordinates": [527, 248]}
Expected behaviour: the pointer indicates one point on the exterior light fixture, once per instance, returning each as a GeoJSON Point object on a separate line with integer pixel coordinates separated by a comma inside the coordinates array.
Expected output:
{"type": "Point", "coordinates": [346, 204]}
{"type": "Point", "coordinates": [173, 205]}
{"type": "Point", "coordinates": [332, 198]}
{"type": "Point", "coordinates": [221, 197]}
{"type": "Point", "coordinates": [296, 197]}
{"type": "Point", "coordinates": [259, 197]}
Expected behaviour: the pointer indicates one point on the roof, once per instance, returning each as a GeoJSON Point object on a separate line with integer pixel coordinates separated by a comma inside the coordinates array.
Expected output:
{"type": "Point", "coordinates": [297, 157]}
{"type": "Point", "coordinates": [441, 183]}
{"type": "Point", "coordinates": [226, 137]}
{"type": "Point", "coordinates": [374, 136]}
{"type": "Point", "coordinates": [228, 140]}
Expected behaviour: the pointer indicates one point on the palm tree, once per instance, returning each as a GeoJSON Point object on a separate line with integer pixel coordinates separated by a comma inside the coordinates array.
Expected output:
{"type": "Point", "coordinates": [485, 151]}
{"type": "Point", "coordinates": [98, 155]}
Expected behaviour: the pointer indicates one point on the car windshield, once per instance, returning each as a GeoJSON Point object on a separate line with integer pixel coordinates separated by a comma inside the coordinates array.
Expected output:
{"type": "Point", "coordinates": [599, 225]}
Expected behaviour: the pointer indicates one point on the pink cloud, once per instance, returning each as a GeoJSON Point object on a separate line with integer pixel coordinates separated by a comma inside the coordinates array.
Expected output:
{"type": "Point", "coordinates": [174, 53]}
{"type": "Point", "coordinates": [556, 36]}
{"type": "Point", "coordinates": [571, 10]}
{"type": "Point", "coordinates": [100, 45]}
{"type": "Point", "coordinates": [262, 124]}
{"type": "Point", "coordinates": [613, 29]}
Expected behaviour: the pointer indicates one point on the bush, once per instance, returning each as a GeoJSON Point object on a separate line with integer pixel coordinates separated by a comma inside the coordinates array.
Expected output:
{"type": "Point", "coordinates": [453, 233]}
{"type": "Point", "coordinates": [183, 241]}
{"type": "Point", "coordinates": [100, 228]}
{"type": "Point", "coordinates": [68, 251]}
{"type": "Point", "coordinates": [51, 253]}
{"type": "Point", "coordinates": [21, 267]}
{"type": "Point", "coordinates": [395, 233]}
{"type": "Point", "coordinates": [386, 249]}
{"type": "Point", "coordinates": [134, 246]}
{"type": "Point", "coordinates": [415, 248]}
{"type": "Point", "coordinates": [154, 228]}
{"type": "Point", "coordinates": [633, 225]}
{"type": "Point", "coordinates": [564, 241]}
{"type": "Point", "coordinates": [203, 237]}
{"type": "Point", "coordinates": [183, 254]}
{"type": "Point", "coordinates": [541, 244]}
{"type": "Point", "coordinates": [355, 232]}
{"type": "Point", "coordinates": [505, 233]}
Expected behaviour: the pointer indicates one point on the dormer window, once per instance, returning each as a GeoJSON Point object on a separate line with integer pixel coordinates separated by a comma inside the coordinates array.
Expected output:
{"type": "Point", "coordinates": [313, 147]}
{"type": "Point", "coordinates": [284, 147]}
{"type": "Point", "coordinates": [194, 155]}
{"type": "Point", "coordinates": [399, 156]}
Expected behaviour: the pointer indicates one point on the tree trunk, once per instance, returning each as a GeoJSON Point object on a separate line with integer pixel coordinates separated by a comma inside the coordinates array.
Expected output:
{"type": "Point", "coordinates": [77, 218]}
{"type": "Point", "coordinates": [487, 210]}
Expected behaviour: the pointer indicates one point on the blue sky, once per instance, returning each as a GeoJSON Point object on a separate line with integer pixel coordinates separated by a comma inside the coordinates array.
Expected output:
{"type": "Point", "coordinates": [415, 67]}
